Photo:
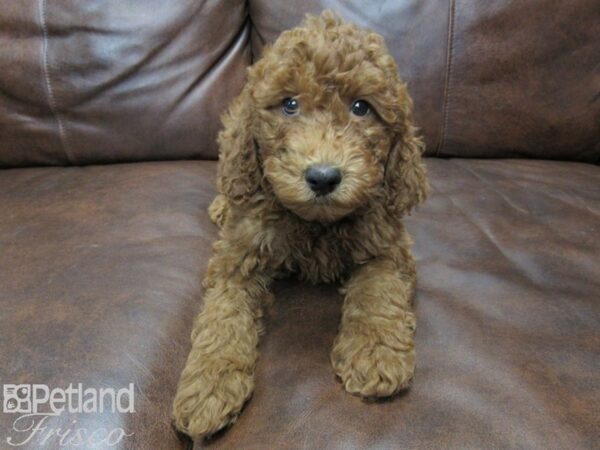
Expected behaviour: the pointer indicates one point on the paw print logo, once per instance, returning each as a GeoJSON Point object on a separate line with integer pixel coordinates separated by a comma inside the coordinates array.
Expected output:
{"type": "Point", "coordinates": [17, 398]}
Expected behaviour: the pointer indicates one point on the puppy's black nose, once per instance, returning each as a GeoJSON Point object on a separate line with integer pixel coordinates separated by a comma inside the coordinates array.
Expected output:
{"type": "Point", "coordinates": [323, 179]}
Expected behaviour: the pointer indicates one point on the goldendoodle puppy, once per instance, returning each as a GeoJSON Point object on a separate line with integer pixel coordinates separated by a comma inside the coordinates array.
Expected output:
{"type": "Point", "coordinates": [319, 162]}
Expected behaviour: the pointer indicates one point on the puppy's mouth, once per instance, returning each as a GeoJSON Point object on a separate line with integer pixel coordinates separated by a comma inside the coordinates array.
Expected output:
{"type": "Point", "coordinates": [320, 194]}
{"type": "Point", "coordinates": [319, 208]}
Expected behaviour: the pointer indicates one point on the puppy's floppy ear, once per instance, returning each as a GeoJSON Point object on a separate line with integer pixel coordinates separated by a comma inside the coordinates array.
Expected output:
{"type": "Point", "coordinates": [239, 169]}
{"type": "Point", "coordinates": [405, 174]}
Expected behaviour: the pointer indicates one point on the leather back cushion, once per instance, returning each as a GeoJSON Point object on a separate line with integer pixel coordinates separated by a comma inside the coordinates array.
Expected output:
{"type": "Point", "coordinates": [489, 78]}
{"type": "Point", "coordinates": [98, 81]}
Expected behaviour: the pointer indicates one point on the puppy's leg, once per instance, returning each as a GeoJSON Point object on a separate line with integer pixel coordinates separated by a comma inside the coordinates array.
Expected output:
{"type": "Point", "coordinates": [217, 211]}
{"type": "Point", "coordinates": [218, 377]}
{"type": "Point", "coordinates": [374, 352]}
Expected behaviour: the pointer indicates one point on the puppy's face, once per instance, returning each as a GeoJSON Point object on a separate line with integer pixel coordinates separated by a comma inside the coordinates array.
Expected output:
{"type": "Point", "coordinates": [327, 115]}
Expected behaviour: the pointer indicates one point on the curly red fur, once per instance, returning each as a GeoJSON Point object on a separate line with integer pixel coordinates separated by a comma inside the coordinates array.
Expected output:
{"type": "Point", "coordinates": [272, 223]}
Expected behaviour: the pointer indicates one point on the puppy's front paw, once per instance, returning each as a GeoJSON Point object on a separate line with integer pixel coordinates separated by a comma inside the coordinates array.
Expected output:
{"type": "Point", "coordinates": [372, 364]}
{"type": "Point", "coordinates": [209, 401]}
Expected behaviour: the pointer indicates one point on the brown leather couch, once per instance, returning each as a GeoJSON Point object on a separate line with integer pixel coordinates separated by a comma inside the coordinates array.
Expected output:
{"type": "Point", "coordinates": [108, 116]}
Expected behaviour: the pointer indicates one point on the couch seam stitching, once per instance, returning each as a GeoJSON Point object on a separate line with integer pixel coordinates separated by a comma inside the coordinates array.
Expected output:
{"type": "Point", "coordinates": [448, 77]}
{"type": "Point", "coordinates": [252, 29]}
{"type": "Point", "coordinates": [49, 90]}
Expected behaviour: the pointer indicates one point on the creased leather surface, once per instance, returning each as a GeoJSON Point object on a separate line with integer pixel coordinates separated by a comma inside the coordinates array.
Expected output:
{"type": "Point", "coordinates": [113, 80]}
{"type": "Point", "coordinates": [524, 80]}
{"type": "Point", "coordinates": [97, 81]}
{"type": "Point", "coordinates": [508, 337]}
{"type": "Point", "coordinates": [488, 78]}
{"type": "Point", "coordinates": [100, 271]}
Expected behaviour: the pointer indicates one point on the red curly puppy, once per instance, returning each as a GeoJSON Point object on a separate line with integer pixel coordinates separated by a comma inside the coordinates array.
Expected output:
{"type": "Point", "coordinates": [319, 162]}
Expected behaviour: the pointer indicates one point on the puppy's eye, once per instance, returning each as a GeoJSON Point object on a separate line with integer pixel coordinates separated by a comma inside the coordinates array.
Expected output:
{"type": "Point", "coordinates": [360, 108]}
{"type": "Point", "coordinates": [290, 106]}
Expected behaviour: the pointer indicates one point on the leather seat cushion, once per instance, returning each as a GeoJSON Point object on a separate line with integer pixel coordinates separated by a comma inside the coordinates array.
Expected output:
{"type": "Point", "coordinates": [100, 271]}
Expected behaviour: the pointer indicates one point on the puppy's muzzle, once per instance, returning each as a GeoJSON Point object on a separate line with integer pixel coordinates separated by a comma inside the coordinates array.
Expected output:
{"type": "Point", "coordinates": [323, 179]}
